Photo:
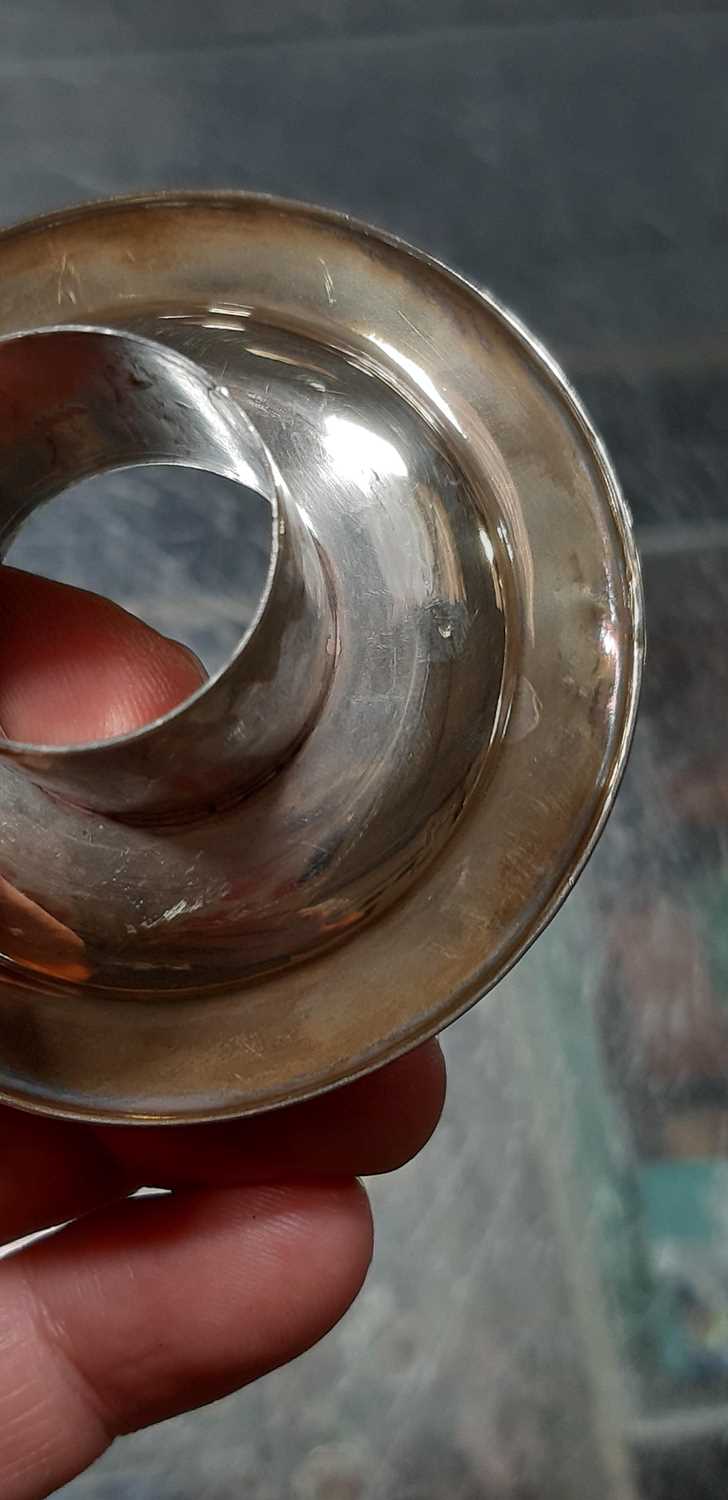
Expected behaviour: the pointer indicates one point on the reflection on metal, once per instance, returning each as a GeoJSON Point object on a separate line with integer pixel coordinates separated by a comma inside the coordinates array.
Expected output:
{"type": "Point", "coordinates": [362, 456]}
{"type": "Point", "coordinates": [401, 770]}
{"type": "Point", "coordinates": [80, 402]}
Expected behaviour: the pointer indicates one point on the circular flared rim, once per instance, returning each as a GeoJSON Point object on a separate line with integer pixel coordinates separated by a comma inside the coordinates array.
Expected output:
{"type": "Point", "coordinates": [472, 985]}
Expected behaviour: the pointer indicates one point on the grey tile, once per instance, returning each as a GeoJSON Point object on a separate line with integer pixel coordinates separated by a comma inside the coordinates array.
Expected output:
{"type": "Point", "coordinates": [42, 28]}
{"type": "Point", "coordinates": [423, 131]}
{"type": "Point", "coordinates": [578, 171]}
{"type": "Point", "coordinates": [667, 435]}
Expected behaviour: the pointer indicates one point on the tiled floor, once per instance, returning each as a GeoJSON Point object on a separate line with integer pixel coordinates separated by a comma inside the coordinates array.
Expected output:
{"type": "Point", "coordinates": [571, 156]}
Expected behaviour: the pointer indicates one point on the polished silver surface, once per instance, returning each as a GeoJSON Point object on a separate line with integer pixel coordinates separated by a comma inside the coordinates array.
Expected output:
{"type": "Point", "coordinates": [392, 708]}
{"type": "Point", "coordinates": [470, 712]}
{"type": "Point", "coordinates": [77, 402]}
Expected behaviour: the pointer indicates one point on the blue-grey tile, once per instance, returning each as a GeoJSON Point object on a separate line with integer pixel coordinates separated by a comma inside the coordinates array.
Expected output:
{"type": "Point", "coordinates": [578, 171]}
{"type": "Point", "coordinates": [494, 150]}
{"type": "Point", "coordinates": [41, 28]}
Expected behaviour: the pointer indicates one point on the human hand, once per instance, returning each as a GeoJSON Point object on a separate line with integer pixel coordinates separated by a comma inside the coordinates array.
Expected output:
{"type": "Point", "coordinates": [140, 1309]}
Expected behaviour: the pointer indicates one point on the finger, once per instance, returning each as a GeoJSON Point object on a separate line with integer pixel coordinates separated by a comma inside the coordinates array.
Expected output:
{"type": "Point", "coordinates": [75, 667]}
{"type": "Point", "coordinates": [52, 1171]}
{"type": "Point", "coordinates": [374, 1125]}
{"type": "Point", "coordinates": [133, 1315]}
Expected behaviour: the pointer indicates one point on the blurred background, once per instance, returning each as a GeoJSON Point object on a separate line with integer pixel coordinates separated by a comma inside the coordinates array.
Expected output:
{"type": "Point", "coordinates": [547, 1316]}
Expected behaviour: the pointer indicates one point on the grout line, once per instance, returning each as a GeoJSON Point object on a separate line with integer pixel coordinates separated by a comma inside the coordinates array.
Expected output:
{"type": "Point", "coordinates": [694, 354]}
{"type": "Point", "coordinates": [420, 37]}
{"type": "Point", "coordinates": [674, 1427]}
{"type": "Point", "coordinates": [682, 537]}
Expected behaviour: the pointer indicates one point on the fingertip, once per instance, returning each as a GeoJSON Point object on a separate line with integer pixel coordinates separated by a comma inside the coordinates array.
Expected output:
{"type": "Point", "coordinates": [75, 667]}
{"type": "Point", "coordinates": [331, 1225]}
{"type": "Point", "coordinates": [425, 1095]}
{"type": "Point", "coordinates": [398, 1108]}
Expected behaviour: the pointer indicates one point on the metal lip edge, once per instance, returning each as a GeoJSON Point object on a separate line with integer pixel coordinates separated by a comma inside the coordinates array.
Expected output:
{"type": "Point", "coordinates": [57, 752]}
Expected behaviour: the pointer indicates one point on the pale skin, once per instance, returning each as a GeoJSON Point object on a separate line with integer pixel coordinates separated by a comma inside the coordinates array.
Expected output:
{"type": "Point", "coordinates": [141, 1309]}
